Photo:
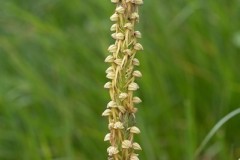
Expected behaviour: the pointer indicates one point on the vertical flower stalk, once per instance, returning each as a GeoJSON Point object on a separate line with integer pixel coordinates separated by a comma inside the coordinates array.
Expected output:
{"type": "Point", "coordinates": [122, 74]}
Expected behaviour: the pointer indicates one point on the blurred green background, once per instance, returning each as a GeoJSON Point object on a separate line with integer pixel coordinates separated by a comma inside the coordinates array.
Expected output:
{"type": "Point", "coordinates": [52, 75]}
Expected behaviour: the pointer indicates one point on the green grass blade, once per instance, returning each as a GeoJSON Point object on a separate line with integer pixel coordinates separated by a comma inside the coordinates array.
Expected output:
{"type": "Point", "coordinates": [215, 129]}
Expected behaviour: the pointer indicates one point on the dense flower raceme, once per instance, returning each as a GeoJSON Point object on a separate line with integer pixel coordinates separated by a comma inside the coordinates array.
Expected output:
{"type": "Point", "coordinates": [122, 74]}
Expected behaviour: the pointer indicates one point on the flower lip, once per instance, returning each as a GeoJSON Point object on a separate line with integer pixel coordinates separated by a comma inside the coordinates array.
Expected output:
{"type": "Point", "coordinates": [110, 125]}
{"type": "Point", "coordinates": [114, 17]}
{"type": "Point", "coordinates": [136, 146]}
{"type": "Point", "coordinates": [107, 112]}
{"type": "Point", "coordinates": [122, 109]}
{"type": "Point", "coordinates": [120, 10]}
{"type": "Point", "coordinates": [111, 104]}
{"type": "Point", "coordinates": [134, 15]}
{"type": "Point", "coordinates": [138, 2]}
{"type": "Point", "coordinates": [136, 62]}
{"type": "Point", "coordinates": [136, 100]}
{"type": "Point", "coordinates": [120, 36]}
{"type": "Point", "coordinates": [107, 137]}
{"type": "Point", "coordinates": [127, 52]}
{"type": "Point", "coordinates": [114, 1]}
{"type": "Point", "coordinates": [138, 47]}
{"type": "Point", "coordinates": [108, 85]}
{"type": "Point", "coordinates": [114, 27]}
{"type": "Point", "coordinates": [112, 150]}
{"type": "Point", "coordinates": [118, 61]}
{"type": "Point", "coordinates": [133, 86]}
{"type": "Point", "coordinates": [134, 156]}
{"type": "Point", "coordinates": [118, 125]}
{"type": "Point", "coordinates": [137, 73]}
{"type": "Point", "coordinates": [110, 75]}
{"type": "Point", "coordinates": [126, 144]}
{"type": "Point", "coordinates": [123, 96]}
{"type": "Point", "coordinates": [109, 59]}
{"type": "Point", "coordinates": [135, 130]}
{"type": "Point", "coordinates": [109, 69]}
{"type": "Point", "coordinates": [112, 48]}
{"type": "Point", "coordinates": [128, 26]}
{"type": "Point", "coordinates": [138, 34]}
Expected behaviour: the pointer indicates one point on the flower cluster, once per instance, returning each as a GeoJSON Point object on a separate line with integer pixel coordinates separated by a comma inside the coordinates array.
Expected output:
{"type": "Point", "coordinates": [121, 73]}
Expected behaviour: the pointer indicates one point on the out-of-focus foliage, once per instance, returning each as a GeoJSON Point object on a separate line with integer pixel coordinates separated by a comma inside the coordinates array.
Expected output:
{"type": "Point", "coordinates": [52, 76]}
